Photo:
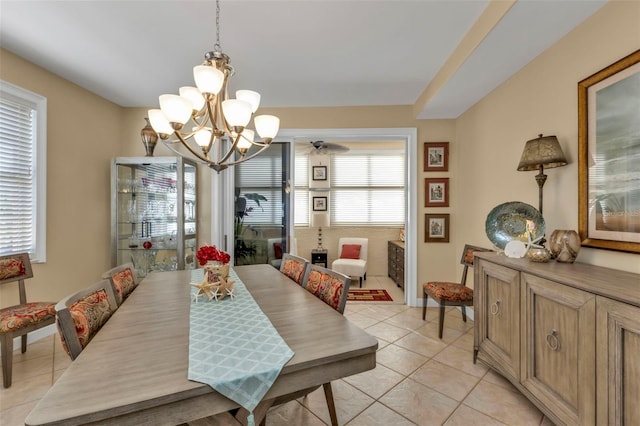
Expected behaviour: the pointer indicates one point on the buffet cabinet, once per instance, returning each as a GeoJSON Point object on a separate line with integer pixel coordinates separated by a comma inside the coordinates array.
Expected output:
{"type": "Point", "coordinates": [566, 335]}
{"type": "Point", "coordinates": [395, 262]}
{"type": "Point", "coordinates": [153, 213]}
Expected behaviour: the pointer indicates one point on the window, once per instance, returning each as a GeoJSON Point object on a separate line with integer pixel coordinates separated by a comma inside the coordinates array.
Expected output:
{"type": "Point", "coordinates": [23, 154]}
{"type": "Point", "coordinates": [366, 189]}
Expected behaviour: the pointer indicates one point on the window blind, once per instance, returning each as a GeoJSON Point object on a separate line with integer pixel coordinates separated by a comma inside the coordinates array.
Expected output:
{"type": "Point", "coordinates": [17, 179]}
{"type": "Point", "coordinates": [262, 175]}
{"type": "Point", "coordinates": [301, 193]}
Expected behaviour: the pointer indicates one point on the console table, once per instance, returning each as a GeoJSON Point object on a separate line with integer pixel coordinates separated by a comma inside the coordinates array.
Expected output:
{"type": "Point", "coordinates": [395, 262]}
{"type": "Point", "coordinates": [566, 335]}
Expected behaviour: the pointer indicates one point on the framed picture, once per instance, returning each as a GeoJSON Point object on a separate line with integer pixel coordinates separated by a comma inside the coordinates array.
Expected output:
{"type": "Point", "coordinates": [319, 204]}
{"type": "Point", "coordinates": [609, 157]}
{"type": "Point", "coordinates": [436, 156]}
{"type": "Point", "coordinates": [436, 228]}
{"type": "Point", "coordinates": [436, 192]}
{"type": "Point", "coordinates": [319, 172]}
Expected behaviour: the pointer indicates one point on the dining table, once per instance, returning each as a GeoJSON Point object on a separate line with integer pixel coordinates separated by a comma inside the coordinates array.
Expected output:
{"type": "Point", "coordinates": [134, 371]}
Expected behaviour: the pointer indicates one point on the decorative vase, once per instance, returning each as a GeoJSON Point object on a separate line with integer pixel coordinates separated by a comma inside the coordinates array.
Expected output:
{"type": "Point", "coordinates": [215, 271]}
{"type": "Point", "coordinates": [149, 138]}
{"type": "Point", "coordinates": [564, 245]}
{"type": "Point", "coordinates": [538, 254]}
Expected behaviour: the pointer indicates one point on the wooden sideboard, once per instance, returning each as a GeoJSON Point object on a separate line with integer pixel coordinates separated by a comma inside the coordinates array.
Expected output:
{"type": "Point", "coordinates": [395, 262]}
{"type": "Point", "coordinates": [566, 335]}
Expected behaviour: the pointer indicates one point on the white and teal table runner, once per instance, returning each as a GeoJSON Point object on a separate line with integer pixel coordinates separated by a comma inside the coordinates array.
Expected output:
{"type": "Point", "coordinates": [233, 347]}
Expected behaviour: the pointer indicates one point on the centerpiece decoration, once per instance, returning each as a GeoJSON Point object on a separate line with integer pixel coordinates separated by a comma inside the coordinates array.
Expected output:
{"type": "Point", "coordinates": [215, 283]}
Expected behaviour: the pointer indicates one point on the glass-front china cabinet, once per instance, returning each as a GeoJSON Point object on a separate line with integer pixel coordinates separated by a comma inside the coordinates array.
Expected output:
{"type": "Point", "coordinates": [153, 213]}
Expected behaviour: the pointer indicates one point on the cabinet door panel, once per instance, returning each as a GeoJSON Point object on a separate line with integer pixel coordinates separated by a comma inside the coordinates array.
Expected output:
{"type": "Point", "coordinates": [558, 356]}
{"type": "Point", "coordinates": [496, 305]}
{"type": "Point", "coordinates": [618, 355]}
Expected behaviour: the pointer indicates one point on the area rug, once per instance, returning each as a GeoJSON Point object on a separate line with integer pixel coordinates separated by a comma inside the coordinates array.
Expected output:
{"type": "Point", "coordinates": [361, 295]}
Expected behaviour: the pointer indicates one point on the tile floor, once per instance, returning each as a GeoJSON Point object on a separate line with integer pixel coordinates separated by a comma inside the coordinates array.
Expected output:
{"type": "Point", "coordinates": [419, 379]}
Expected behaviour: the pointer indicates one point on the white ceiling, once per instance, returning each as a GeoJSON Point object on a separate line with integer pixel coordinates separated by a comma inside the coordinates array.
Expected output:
{"type": "Point", "coordinates": [296, 53]}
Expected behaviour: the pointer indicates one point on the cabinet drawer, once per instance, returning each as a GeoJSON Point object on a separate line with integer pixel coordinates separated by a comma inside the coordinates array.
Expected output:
{"type": "Point", "coordinates": [558, 357]}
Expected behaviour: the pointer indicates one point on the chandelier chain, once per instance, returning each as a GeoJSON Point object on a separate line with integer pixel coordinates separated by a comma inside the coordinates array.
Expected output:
{"type": "Point", "coordinates": [216, 47]}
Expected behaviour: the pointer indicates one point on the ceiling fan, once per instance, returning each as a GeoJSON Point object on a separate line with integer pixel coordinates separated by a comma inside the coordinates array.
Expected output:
{"type": "Point", "coordinates": [322, 147]}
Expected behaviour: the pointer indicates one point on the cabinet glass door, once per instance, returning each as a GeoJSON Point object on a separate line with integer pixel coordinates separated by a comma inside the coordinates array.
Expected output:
{"type": "Point", "coordinates": [154, 213]}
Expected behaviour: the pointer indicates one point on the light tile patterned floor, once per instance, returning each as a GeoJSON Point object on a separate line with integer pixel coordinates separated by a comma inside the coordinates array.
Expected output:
{"type": "Point", "coordinates": [419, 379]}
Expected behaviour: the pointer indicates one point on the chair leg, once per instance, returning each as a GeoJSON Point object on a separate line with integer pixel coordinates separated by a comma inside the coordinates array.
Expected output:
{"type": "Point", "coordinates": [464, 313]}
{"type": "Point", "coordinates": [360, 282]}
{"type": "Point", "coordinates": [424, 306]}
{"type": "Point", "coordinates": [24, 343]}
{"type": "Point", "coordinates": [328, 394]}
{"type": "Point", "coordinates": [442, 306]}
{"type": "Point", "coordinates": [6, 345]}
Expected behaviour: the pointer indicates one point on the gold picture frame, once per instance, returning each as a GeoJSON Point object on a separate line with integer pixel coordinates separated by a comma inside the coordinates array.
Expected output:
{"type": "Point", "coordinates": [609, 157]}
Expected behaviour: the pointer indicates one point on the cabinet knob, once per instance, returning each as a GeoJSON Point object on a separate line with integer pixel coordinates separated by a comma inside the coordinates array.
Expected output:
{"type": "Point", "coordinates": [553, 341]}
{"type": "Point", "coordinates": [495, 308]}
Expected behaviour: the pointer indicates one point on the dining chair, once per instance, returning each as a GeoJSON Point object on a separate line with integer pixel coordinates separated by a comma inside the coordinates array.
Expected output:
{"type": "Point", "coordinates": [452, 293]}
{"type": "Point", "coordinates": [123, 279]}
{"type": "Point", "coordinates": [23, 318]}
{"type": "Point", "coordinates": [293, 266]}
{"type": "Point", "coordinates": [332, 288]}
{"type": "Point", "coordinates": [275, 251]}
{"type": "Point", "coordinates": [353, 257]}
{"type": "Point", "coordinates": [82, 314]}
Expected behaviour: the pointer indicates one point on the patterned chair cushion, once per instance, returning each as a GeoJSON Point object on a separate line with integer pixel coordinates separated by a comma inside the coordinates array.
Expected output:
{"type": "Point", "coordinates": [11, 268]}
{"type": "Point", "coordinates": [124, 283]}
{"type": "Point", "coordinates": [294, 269]}
{"type": "Point", "coordinates": [20, 316]}
{"type": "Point", "coordinates": [327, 288]}
{"type": "Point", "coordinates": [454, 292]}
{"type": "Point", "coordinates": [89, 315]}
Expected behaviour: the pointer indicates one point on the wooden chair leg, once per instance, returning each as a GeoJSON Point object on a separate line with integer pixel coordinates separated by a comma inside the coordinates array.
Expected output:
{"type": "Point", "coordinates": [442, 306]}
{"type": "Point", "coordinates": [328, 394]}
{"type": "Point", "coordinates": [24, 343]}
{"type": "Point", "coordinates": [424, 306]}
{"type": "Point", "coordinates": [6, 345]}
{"type": "Point", "coordinates": [464, 313]}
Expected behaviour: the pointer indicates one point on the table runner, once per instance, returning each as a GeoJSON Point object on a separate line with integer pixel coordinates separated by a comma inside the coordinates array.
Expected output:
{"type": "Point", "coordinates": [233, 347]}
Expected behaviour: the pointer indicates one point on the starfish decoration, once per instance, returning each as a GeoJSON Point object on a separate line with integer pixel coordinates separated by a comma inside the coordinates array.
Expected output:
{"type": "Point", "coordinates": [204, 289]}
{"type": "Point", "coordinates": [533, 243]}
{"type": "Point", "coordinates": [231, 290]}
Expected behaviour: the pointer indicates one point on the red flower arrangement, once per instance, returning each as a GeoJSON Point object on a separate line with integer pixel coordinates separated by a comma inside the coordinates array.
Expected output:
{"type": "Point", "coordinates": [207, 253]}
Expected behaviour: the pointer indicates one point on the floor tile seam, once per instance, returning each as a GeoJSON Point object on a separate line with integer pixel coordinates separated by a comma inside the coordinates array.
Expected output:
{"type": "Point", "coordinates": [310, 411]}
{"type": "Point", "coordinates": [400, 372]}
{"type": "Point", "coordinates": [390, 408]}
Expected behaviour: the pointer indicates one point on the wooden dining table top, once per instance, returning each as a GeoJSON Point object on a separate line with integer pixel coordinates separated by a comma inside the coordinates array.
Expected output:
{"type": "Point", "coordinates": [134, 371]}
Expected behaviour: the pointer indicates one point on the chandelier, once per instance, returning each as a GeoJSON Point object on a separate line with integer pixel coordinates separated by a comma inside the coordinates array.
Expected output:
{"type": "Point", "coordinates": [207, 122]}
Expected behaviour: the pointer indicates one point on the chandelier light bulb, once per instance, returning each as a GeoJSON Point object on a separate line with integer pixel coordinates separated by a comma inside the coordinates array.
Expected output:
{"type": "Point", "coordinates": [267, 126]}
{"type": "Point", "coordinates": [195, 97]}
{"type": "Point", "coordinates": [160, 123]}
{"type": "Point", "coordinates": [202, 136]}
{"type": "Point", "coordinates": [246, 139]}
{"type": "Point", "coordinates": [250, 96]}
{"type": "Point", "coordinates": [236, 112]}
{"type": "Point", "coordinates": [208, 78]}
{"type": "Point", "coordinates": [176, 108]}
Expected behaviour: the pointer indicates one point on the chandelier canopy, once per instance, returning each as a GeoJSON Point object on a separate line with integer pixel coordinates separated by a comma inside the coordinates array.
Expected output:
{"type": "Point", "coordinates": [207, 122]}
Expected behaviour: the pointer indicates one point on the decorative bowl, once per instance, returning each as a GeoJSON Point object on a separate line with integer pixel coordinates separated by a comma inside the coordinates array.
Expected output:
{"type": "Point", "coordinates": [513, 221]}
{"type": "Point", "coordinates": [538, 254]}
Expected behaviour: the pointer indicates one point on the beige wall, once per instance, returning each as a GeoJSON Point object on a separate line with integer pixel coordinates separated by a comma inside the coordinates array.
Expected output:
{"type": "Point", "coordinates": [541, 98]}
{"type": "Point", "coordinates": [86, 131]}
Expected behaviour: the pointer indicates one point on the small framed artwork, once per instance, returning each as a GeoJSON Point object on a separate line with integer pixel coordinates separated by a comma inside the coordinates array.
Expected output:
{"type": "Point", "coordinates": [436, 228]}
{"type": "Point", "coordinates": [436, 192]}
{"type": "Point", "coordinates": [436, 156]}
{"type": "Point", "coordinates": [319, 172]}
{"type": "Point", "coordinates": [319, 204]}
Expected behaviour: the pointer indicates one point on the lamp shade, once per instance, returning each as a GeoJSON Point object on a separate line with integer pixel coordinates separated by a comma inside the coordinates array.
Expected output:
{"type": "Point", "coordinates": [542, 151]}
{"type": "Point", "coordinates": [320, 220]}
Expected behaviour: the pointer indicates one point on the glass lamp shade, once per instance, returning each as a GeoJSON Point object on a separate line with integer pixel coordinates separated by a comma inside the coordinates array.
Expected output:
{"type": "Point", "coordinates": [267, 126]}
{"type": "Point", "coordinates": [176, 108]}
{"type": "Point", "coordinates": [159, 122]}
{"type": "Point", "coordinates": [249, 96]}
{"type": "Point", "coordinates": [542, 151]}
{"type": "Point", "coordinates": [202, 136]}
{"type": "Point", "coordinates": [237, 112]}
{"type": "Point", "coordinates": [246, 139]}
{"type": "Point", "coordinates": [209, 79]}
{"type": "Point", "coordinates": [194, 96]}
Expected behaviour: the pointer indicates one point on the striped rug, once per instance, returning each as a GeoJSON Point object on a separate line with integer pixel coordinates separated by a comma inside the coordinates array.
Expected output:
{"type": "Point", "coordinates": [362, 295]}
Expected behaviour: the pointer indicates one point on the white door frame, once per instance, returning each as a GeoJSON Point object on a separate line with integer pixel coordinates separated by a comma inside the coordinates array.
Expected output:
{"type": "Point", "coordinates": [222, 189]}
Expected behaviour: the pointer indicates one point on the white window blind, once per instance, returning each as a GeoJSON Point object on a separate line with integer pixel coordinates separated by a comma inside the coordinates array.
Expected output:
{"type": "Point", "coordinates": [22, 172]}
{"type": "Point", "coordinates": [301, 193]}
{"type": "Point", "coordinates": [367, 189]}
{"type": "Point", "coordinates": [262, 175]}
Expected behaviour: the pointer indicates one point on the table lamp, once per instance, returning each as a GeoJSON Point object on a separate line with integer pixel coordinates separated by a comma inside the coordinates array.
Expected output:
{"type": "Point", "coordinates": [544, 151]}
{"type": "Point", "coordinates": [319, 220]}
